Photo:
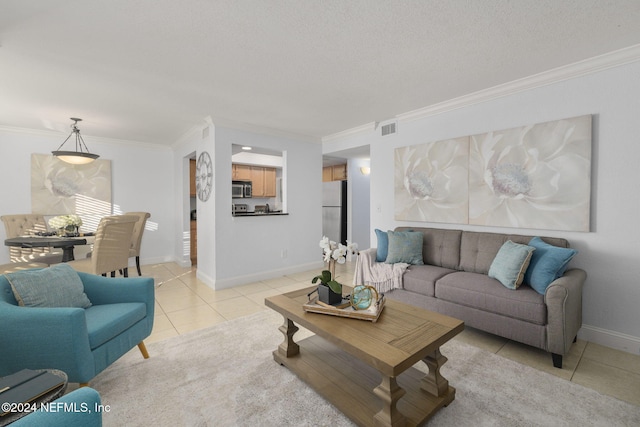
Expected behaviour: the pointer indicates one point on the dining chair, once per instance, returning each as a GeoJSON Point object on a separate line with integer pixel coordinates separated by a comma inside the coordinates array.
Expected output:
{"type": "Point", "coordinates": [111, 247]}
{"type": "Point", "coordinates": [136, 238]}
{"type": "Point", "coordinates": [29, 225]}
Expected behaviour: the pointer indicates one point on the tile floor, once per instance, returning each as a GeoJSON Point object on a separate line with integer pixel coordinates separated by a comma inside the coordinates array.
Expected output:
{"type": "Point", "coordinates": [183, 304]}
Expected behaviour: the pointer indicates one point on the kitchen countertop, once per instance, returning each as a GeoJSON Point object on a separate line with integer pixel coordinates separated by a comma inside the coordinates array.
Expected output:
{"type": "Point", "coordinates": [260, 214]}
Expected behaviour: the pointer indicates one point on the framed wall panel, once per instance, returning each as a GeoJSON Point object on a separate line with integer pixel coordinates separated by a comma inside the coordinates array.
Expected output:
{"type": "Point", "coordinates": [431, 181]}
{"type": "Point", "coordinates": [59, 188]}
{"type": "Point", "coordinates": [536, 176]}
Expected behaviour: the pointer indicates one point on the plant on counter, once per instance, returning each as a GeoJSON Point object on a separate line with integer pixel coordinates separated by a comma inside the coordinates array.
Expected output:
{"type": "Point", "coordinates": [66, 222]}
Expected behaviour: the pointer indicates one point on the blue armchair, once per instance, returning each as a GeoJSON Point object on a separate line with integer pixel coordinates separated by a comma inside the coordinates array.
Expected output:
{"type": "Point", "coordinates": [74, 416]}
{"type": "Point", "coordinates": [80, 342]}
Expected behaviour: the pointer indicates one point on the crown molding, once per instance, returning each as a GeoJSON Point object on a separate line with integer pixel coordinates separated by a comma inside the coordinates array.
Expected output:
{"type": "Point", "coordinates": [567, 72]}
{"type": "Point", "coordinates": [263, 130]}
{"type": "Point", "coordinates": [588, 66]}
{"type": "Point", "coordinates": [350, 132]}
{"type": "Point", "coordinates": [189, 135]}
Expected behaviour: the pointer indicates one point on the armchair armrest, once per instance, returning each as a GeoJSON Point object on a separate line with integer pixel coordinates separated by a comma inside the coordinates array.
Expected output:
{"type": "Point", "coordinates": [111, 290]}
{"type": "Point", "coordinates": [36, 337]}
{"type": "Point", "coordinates": [564, 310]}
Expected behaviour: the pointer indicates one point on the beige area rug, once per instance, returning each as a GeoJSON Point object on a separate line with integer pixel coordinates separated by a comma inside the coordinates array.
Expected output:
{"type": "Point", "coordinates": [225, 376]}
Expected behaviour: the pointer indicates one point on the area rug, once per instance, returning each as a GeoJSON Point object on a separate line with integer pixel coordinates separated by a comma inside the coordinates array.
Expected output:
{"type": "Point", "coordinates": [225, 376]}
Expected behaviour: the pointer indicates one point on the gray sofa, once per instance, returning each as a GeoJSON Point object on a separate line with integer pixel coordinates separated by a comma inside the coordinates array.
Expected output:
{"type": "Point", "coordinates": [454, 281]}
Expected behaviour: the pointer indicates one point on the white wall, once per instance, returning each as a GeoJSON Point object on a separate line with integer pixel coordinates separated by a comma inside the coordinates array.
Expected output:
{"type": "Point", "coordinates": [609, 253]}
{"type": "Point", "coordinates": [358, 190]}
{"type": "Point", "coordinates": [248, 249]}
{"type": "Point", "coordinates": [140, 182]}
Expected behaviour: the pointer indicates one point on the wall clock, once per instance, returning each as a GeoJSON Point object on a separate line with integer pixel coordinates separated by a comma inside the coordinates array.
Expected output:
{"type": "Point", "coordinates": [204, 176]}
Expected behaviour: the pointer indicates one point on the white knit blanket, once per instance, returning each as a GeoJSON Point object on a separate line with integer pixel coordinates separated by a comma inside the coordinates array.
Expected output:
{"type": "Point", "coordinates": [384, 277]}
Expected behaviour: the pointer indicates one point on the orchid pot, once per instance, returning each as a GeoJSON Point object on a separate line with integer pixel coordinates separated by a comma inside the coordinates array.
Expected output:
{"type": "Point", "coordinates": [329, 291]}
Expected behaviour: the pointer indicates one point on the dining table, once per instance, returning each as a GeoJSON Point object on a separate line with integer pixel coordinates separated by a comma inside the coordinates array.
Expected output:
{"type": "Point", "coordinates": [66, 243]}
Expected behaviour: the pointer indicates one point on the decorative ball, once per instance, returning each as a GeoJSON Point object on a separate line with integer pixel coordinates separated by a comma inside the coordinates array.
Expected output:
{"type": "Point", "coordinates": [363, 296]}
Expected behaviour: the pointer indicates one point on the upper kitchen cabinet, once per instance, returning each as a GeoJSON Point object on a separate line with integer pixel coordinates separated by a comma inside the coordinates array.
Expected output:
{"type": "Point", "coordinates": [263, 181]}
{"type": "Point", "coordinates": [269, 182]}
{"type": "Point", "coordinates": [334, 173]}
{"type": "Point", "coordinates": [241, 172]}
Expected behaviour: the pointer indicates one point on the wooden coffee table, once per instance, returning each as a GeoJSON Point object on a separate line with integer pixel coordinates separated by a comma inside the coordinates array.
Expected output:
{"type": "Point", "coordinates": [365, 368]}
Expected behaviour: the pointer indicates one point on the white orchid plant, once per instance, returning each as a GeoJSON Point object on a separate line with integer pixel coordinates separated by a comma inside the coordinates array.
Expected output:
{"type": "Point", "coordinates": [64, 221]}
{"type": "Point", "coordinates": [337, 251]}
{"type": "Point", "coordinates": [334, 252]}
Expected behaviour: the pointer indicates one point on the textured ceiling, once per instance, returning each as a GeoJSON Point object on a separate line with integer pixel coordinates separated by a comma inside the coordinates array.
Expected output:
{"type": "Point", "coordinates": [151, 70]}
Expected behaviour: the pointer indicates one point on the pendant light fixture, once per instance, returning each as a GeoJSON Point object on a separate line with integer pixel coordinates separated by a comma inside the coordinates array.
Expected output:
{"type": "Point", "coordinates": [82, 155]}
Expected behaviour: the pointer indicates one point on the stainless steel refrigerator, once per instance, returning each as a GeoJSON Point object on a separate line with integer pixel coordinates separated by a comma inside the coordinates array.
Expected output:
{"type": "Point", "coordinates": [334, 210]}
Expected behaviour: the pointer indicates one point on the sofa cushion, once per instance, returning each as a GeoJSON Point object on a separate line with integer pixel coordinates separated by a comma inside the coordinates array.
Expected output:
{"type": "Point", "coordinates": [484, 293]}
{"type": "Point", "coordinates": [56, 286]}
{"type": "Point", "coordinates": [478, 249]}
{"type": "Point", "coordinates": [404, 246]}
{"type": "Point", "coordinates": [382, 248]}
{"type": "Point", "coordinates": [421, 279]}
{"type": "Point", "coordinates": [510, 264]}
{"type": "Point", "coordinates": [440, 247]}
{"type": "Point", "coordinates": [547, 264]}
{"type": "Point", "coordinates": [105, 322]}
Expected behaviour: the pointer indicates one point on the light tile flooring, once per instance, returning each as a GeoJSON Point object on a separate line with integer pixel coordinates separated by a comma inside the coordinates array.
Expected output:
{"type": "Point", "coordinates": [184, 303]}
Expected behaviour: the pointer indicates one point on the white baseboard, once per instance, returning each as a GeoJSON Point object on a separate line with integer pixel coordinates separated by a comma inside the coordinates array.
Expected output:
{"type": "Point", "coordinates": [612, 339]}
{"type": "Point", "coordinates": [256, 277]}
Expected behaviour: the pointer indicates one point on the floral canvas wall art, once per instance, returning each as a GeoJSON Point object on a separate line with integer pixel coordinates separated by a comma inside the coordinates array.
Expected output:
{"type": "Point", "coordinates": [59, 188]}
{"type": "Point", "coordinates": [431, 181]}
{"type": "Point", "coordinates": [536, 176]}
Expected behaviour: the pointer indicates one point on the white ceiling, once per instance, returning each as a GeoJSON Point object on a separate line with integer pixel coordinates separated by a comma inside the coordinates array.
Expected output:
{"type": "Point", "coordinates": [152, 70]}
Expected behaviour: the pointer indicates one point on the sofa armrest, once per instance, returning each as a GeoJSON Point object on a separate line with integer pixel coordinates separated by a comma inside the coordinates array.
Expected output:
{"type": "Point", "coordinates": [112, 290]}
{"type": "Point", "coordinates": [36, 337]}
{"type": "Point", "coordinates": [564, 310]}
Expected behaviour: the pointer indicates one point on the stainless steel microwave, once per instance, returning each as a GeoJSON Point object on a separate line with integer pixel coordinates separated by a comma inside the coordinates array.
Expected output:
{"type": "Point", "coordinates": [241, 189]}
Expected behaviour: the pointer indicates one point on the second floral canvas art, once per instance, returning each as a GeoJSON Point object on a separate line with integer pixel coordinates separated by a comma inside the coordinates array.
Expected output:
{"type": "Point", "coordinates": [536, 176]}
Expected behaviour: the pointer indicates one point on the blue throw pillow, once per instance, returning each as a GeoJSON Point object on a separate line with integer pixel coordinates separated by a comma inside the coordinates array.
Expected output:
{"type": "Point", "coordinates": [56, 286]}
{"type": "Point", "coordinates": [383, 245]}
{"type": "Point", "coordinates": [510, 263]}
{"type": "Point", "coordinates": [405, 246]}
{"type": "Point", "coordinates": [548, 263]}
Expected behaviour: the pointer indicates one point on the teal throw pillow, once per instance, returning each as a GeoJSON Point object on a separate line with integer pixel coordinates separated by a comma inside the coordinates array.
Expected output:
{"type": "Point", "coordinates": [510, 264]}
{"type": "Point", "coordinates": [548, 263]}
{"type": "Point", "coordinates": [405, 246]}
{"type": "Point", "coordinates": [383, 245]}
{"type": "Point", "coordinates": [56, 286]}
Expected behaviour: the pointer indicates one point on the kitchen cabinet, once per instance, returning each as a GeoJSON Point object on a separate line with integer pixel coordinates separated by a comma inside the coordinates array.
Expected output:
{"type": "Point", "coordinates": [334, 173]}
{"type": "Point", "coordinates": [339, 172]}
{"type": "Point", "coordinates": [241, 172]}
{"type": "Point", "coordinates": [269, 182]}
{"type": "Point", "coordinates": [263, 181]}
{"type": "Point", "coordinates": [327, 174]}
{"type": "Point", "coordinates": [192, 178]}
{"type": "Point", "coordinates": [257, 181]}
{"type": "Point", "coordinates": [194, 243]}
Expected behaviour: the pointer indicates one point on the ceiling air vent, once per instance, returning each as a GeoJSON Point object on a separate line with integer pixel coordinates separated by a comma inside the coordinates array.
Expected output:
{"type": "Point", "coordinates": [388, 129]}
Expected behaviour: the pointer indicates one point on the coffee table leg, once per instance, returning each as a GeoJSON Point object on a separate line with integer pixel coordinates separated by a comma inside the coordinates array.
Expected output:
{"type": "Point", "coordinates": [288, 347]}
{"type": "Point", "coordinates": [434, 382]}
{"type": "Point", "coordinates": [389, 392]}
